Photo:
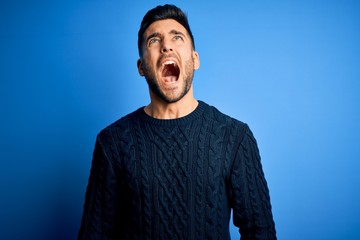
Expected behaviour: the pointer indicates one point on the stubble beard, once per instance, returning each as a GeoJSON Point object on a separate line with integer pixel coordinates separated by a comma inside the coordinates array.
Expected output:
{"type": "Point", "coordinates": [155, 88]}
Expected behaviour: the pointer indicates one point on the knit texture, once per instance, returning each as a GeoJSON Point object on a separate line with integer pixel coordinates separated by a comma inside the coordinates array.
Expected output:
{"type": "Point", "coordinates": [176, 179]}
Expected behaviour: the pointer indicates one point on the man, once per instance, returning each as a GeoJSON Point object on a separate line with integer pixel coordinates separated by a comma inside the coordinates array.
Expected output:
{"type": "Point", "coordinates": [175, 168]}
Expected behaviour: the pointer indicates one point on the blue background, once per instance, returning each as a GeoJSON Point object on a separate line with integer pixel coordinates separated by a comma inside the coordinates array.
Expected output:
{"type": "Point", "coordinates": [290, 69]}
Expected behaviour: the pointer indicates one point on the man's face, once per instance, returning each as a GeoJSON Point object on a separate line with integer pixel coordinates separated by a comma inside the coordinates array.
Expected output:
{"type": "Point", "coordinates": [168, 60]}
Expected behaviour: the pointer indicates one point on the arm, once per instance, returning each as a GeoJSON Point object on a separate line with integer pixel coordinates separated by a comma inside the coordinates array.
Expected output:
{"type": "Point", "coordinates": [99, 209]}
{"type": "Point", "coordinates": [250, 194]}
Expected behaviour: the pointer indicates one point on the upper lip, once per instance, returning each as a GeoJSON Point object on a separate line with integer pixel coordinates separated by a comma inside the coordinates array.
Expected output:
{"type": "Point", "coordinates": [168, 61]}
{"type": "Point", "coordinates": [167, 58]}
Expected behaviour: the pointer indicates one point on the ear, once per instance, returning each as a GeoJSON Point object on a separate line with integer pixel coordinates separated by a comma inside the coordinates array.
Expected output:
{"type": "Point", "coordinates": [196, 60]}
{"type": "Point", "coordinates": [140, 67]}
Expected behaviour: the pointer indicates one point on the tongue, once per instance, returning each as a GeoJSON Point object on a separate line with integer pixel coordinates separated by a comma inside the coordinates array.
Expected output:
{"type": "Point", "coordinates": [170, 78]}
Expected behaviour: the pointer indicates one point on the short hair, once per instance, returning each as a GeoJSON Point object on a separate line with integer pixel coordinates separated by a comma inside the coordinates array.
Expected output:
{"type": "Point", "coordinates": [167, 11]}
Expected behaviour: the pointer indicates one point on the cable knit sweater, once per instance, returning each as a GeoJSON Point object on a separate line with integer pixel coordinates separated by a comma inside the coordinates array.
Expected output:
{"type": "Point", "coordinates": [176, 179]}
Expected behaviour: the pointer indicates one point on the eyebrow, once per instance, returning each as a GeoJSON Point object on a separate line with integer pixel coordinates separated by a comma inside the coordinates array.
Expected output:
{"type": "Point", "coordinates": [175, 32]}
{"type": "Point", "coordinates": [157, 34]}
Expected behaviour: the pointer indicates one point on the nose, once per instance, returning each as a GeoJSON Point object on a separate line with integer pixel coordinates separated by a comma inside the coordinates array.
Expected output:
{"type": "Point", "coordinates": [166, 49]}
{"type": "Point", "coordinates": [166, 46]}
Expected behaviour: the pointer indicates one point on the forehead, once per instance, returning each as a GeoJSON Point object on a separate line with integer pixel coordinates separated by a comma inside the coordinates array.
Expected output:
{"type": "Point", "coordinates": [164, 26]}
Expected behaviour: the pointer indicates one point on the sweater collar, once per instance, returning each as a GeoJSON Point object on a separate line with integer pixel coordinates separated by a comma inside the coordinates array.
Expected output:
{"type": "Point", "coordinates": [173, 122]}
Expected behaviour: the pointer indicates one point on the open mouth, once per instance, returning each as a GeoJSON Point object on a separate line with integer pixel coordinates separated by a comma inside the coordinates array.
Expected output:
{"type": "Point", "coordinates": [170, 71]}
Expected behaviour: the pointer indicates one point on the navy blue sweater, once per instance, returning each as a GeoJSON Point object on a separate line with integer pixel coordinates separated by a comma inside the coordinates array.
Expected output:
{"type": "Point", "coordinates": [176, 179]}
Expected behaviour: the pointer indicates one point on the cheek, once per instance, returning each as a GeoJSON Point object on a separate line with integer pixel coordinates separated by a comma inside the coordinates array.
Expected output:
{"type": "Point", "coordinates": [147, 64]}
{"type": "Point", "coordinates": [151, 59]}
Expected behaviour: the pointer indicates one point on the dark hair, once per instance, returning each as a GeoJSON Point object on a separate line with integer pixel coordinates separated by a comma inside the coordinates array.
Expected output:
{"type": "Point", "coordinates": [167, 11]}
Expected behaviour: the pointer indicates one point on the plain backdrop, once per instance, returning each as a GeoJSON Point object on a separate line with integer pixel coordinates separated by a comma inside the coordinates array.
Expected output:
{"type": "Point", "coordinates": [290, 69]}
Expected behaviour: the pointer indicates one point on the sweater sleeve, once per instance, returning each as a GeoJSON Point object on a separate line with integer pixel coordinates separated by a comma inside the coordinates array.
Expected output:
{"type": "Point", "coordinates": [250, 194]}
{"type": "Point", "coordinates": [99, 209]}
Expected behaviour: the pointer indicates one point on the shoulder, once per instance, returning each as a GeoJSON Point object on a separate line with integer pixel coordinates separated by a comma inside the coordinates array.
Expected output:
{"type": "Point", "coordinates": [222, 124]}
{"type": "Point", "coordinates": [223, 119]}
{"type": "Point", "coordinates": [121, 126]}
{"type": "Point", "coordinates": [235, 132]}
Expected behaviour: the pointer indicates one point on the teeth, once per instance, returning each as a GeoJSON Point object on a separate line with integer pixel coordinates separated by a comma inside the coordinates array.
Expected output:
{"type": "Point", "coordinates": [168, 62]}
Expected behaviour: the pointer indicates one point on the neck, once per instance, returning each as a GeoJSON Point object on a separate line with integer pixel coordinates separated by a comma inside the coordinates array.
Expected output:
{"type": "Point", "coordinates": [163, 110]}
